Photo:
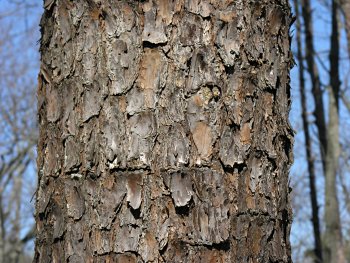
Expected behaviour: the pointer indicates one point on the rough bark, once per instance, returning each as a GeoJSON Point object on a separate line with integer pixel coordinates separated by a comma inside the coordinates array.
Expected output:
{"type": "Point", "coordinates": [164, 133]}
{"type": "Point", "coordinates": [308, 146]}
{"type": "Point", "coordinates": [334, 252]}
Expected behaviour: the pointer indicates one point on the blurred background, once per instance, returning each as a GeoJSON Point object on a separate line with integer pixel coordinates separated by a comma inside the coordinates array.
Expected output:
{"type": "Point", "coordinates": [19, 64]}
{"type": "Point", "coordinates": [320, 115]}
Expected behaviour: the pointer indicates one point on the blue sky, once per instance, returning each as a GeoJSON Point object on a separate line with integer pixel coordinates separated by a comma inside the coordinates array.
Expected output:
{"type": "Point", "coordinates": [302, 228]}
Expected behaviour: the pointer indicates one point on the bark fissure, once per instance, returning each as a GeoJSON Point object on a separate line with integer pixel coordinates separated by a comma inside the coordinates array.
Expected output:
{"type": "Point", "coordinates": [177, 141]}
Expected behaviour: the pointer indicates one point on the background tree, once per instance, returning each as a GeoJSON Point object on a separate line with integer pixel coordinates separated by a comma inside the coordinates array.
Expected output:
{"type": "Point", "coordinates": [164, 132]}
{"type": "Point", "coordinates": [18, 127]}
{"type": "Point", "coordinates": [318, 250]}
{"type": "Point", "coordinates": [327, 119]}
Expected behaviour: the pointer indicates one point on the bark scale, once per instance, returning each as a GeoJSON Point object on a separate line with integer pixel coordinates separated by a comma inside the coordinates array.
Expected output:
{"type": "Point", "coordinates": [164, 133]}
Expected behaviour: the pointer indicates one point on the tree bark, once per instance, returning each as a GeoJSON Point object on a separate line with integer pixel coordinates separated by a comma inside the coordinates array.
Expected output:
{"type": "Point", "coordinates": [308, 146]}
{"type": "Point", "coordinates": [164, 133]}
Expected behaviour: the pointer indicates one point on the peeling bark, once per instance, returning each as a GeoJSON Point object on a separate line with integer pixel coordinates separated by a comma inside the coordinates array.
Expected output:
{"type": "Point", "coordinates": [164, 133]}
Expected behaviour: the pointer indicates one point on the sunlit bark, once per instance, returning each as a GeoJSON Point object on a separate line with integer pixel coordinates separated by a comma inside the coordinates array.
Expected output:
{"type": "Point", "coordinates": [164, 133]}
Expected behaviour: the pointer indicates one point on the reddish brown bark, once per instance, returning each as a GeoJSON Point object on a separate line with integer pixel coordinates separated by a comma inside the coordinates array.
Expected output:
{"type": "Point", "coordinates": [164, 133]}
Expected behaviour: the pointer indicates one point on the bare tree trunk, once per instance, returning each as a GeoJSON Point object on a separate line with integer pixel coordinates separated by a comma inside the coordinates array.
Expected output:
{"type": "Point", "coordinates": [315, 79]}
{"type": "Point", "coordinates": [164, 133]}
{"type": "Point", "coordinates": [14, 253]}
{"type": "Point", "coordinates": [308, 146]}
{"type": "Point", "coordinates": [2, 229]}
{"type": "Point", "coordinates": [345, 8]}
{"type": "Point", "coordinates": [333, 236]}
{"type": "Point", "coordinates": [328, 135]}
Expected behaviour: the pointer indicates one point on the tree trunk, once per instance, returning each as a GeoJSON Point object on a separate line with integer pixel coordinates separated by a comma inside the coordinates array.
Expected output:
{"type": "Point", "coordinates": [345, 8]}
{"type": "Point", "coordinates": [164, 133]}
{"type": "Point", "coordinates": [308, 145]}
{"type": "Point", "coordinates": [334, 252]}
{"type": "Point", "coordinates": [315, 80]}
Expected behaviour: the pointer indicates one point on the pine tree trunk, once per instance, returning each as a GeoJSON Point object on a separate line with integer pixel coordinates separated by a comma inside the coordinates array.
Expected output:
{"type": "Point", "coordinates": [164, 133]}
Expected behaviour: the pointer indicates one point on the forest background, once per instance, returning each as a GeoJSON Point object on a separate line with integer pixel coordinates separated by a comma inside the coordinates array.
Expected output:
{"type": "Point", "coordinates": [321, 45]}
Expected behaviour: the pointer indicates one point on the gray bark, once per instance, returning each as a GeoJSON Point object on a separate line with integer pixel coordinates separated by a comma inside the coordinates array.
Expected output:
{"type": "Point", "coordinates": [164, 133]}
